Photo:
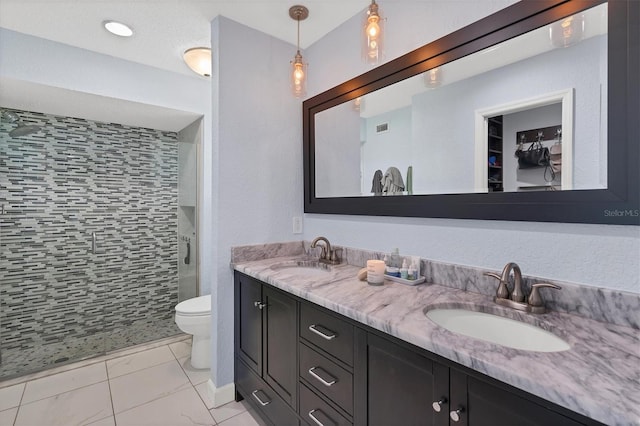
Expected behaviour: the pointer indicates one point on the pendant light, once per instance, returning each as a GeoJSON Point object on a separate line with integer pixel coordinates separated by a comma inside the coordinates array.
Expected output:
{"type": "Point", "coordinates": [567, 32]}
{"type": "Point", "coordinates": [372, 35]}
{"type": "Point", "coordinates": [298, 67]}
{"type": "Point", "coordinates": [433, 78]}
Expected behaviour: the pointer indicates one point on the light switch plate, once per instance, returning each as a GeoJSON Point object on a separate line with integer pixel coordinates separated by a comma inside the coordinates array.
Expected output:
{"type": "Point", "coordinates": [297, 225]}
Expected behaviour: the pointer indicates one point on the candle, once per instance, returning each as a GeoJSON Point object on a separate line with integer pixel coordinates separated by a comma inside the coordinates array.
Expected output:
{"type": "Point", "coordinates": [375, 272]}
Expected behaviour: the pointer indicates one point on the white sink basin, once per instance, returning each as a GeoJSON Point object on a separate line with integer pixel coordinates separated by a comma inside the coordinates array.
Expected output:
{"type": "Point", "coordinates": [496, 329]}
{"type": "Point", "coordinates": [306, 268]}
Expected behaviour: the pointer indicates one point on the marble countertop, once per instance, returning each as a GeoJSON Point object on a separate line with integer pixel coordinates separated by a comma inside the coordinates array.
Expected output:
{"type": "Point", "coordinates": [598, 377]}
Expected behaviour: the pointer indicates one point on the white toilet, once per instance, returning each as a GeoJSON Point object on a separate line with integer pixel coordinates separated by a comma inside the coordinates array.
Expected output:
{"type": "Point", "coordinates": [193, 316]}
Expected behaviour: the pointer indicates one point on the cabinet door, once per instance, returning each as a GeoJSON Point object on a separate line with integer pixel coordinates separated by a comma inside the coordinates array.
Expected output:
{"type": "Point", "coordinates": [492, 405]}
{"type": "Point", "coordinates": [402, 385]}
{"type": "Point", "coordinates": [260, 396]}
{"type": "Point", "coordinates": [248, 321]}
{"type": "Point", "coordinates": [280, 343]}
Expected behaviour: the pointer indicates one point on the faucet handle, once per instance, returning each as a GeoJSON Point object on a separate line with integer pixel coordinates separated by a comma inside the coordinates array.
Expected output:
{"type": "Point", "coordinates": [534, 297]}
{"type": "Point", "coordinates": [335, 255]}
{"type": "Point", "coordinates": [503, 291]}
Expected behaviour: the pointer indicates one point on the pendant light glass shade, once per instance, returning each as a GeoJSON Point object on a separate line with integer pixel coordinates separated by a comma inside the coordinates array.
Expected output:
{"type": "Point", "coordinates": [199, 60]}
{"type": "Point", "coordinates": [433, 78]}
{"type": "Point", "coordinates": [298, 76]}
{"type": "Point", "coordinates": [298, 67]}
{"type": "Point", "coordinates": [567, 32]}
{"type": "Point", "coordinates": [373, 35]}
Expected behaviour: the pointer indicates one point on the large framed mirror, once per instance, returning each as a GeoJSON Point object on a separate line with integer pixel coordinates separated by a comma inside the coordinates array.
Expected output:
{"type": "Point", "coordinates": [529, 114]}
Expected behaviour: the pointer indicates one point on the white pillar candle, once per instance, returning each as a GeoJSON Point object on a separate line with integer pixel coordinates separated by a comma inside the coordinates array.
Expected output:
{"type": "Point", "coordinates": [375, 272]}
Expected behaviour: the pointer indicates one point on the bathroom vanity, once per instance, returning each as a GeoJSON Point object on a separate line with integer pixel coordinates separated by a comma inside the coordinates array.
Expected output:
{"type": "Point", "coordinates": [325, 348]}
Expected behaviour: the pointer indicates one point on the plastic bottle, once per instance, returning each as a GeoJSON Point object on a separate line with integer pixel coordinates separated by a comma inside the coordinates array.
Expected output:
{"type": "Point", "coordinates": [394, 260]}
{"type": "Point", "coordinates": [404, 270]}
{"type": "Point", "coordinates": [412, 275]}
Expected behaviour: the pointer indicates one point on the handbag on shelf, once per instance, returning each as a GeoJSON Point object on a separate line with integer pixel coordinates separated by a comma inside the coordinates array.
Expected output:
{"type": "Point", "coordinates": [536, 156]}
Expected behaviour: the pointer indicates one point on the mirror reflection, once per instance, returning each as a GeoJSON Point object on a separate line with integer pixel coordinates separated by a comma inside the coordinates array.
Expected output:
{"type": "Point", "coordinates": [528, 114]}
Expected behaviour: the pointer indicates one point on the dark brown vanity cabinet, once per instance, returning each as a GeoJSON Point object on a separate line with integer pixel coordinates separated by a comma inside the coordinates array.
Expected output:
{"type": "Point", "coordinates": [328, 376]}
{"type": "Point", "coordinates": [298, 363]}
{"type": "Point", "coordinates": [410, 386]}
{"type": "Point", "coordinates": [402, 384]}
{"type": "Point", "coordinates": [266, 349]}
{"type": "Point", "coordinates": [490, 404]}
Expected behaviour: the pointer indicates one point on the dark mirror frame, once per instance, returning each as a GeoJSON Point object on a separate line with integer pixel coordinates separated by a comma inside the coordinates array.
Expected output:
{"type": "Point", "coordinates": [618, 204]}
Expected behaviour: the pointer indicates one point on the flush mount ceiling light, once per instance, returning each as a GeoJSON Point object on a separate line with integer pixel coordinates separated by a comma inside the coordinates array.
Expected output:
{"type": "Point", "coordinates": [373, 35]}
{"type": "Point", "coordinates": [118, 28]}
{"type": "Point", "coordinates": [298, 67]}
{"type": "Point", "coordinates": [199, 60]}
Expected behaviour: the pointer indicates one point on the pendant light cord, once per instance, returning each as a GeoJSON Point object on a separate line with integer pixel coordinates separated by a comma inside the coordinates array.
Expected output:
{"type": "Point", "coordinates": [298, 45]}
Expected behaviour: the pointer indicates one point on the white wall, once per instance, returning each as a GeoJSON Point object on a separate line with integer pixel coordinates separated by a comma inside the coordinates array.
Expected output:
{"type": "Point", "coordinates": [339, 151]}
{"type": "Point", "coordinates": [598, 255]}
{"type": "Point", "coordinates": [66, 68]}
{"type": "Point", "coordinates": [33, 59]}
{"type": "Point", "coordinates": [444, 126]}
{"type": "Point", "coordinates": [537, 118]}
{"type": "Point", "coordinates": [388, 149]}
{"type": "Point", "coordinates": [257, 128]}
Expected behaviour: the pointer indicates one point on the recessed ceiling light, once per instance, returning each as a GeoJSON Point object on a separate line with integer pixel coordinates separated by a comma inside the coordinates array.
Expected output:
{"type": "Point", "coordinates": [118, 28]}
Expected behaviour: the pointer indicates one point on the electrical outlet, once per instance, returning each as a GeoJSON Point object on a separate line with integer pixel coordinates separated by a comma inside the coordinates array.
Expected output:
{"type": "Point", "coordinates": [297, 225]}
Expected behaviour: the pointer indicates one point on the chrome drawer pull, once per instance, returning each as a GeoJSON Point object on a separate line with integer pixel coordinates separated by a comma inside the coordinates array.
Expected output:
{"type": "Point", "coordinates": [313, 328]}
{"type": "Point", "coordinates": [455, 415]}
{"type": "Point", "coordinates": [315, 419]}
{"type": "Point", "coordinates": [437, 406]}
{"type": "Point", "coordinates": [323, 381]}
{"type": "Point", "coordinates": [255, 395]}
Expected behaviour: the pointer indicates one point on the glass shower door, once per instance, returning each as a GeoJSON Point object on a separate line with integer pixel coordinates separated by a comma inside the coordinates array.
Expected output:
{"type": "Point", "coordinates": [51, 305]}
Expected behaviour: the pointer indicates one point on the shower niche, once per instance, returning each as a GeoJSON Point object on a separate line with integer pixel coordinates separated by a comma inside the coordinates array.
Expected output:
{"type": "Point", "coordinates": [187, 210]}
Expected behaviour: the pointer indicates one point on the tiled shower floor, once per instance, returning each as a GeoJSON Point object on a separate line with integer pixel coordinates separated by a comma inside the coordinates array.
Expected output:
{"type": "Point", "coordinates": [150, 385]}
{"type": "Point", "coordinates": [20, 361]}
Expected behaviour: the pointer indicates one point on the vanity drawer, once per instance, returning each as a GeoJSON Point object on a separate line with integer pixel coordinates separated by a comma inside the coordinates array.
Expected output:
{"type": "Point", "coordinates": [316, 412]}
{"type": "Point", "coordinates": [327, 332]}
{"type": "Point", "coordinates": [260, 395]}
{"type": "Point", "coordinates": [327, 377]}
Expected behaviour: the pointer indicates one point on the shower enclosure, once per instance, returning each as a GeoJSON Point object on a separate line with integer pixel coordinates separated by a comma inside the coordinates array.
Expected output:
{"type": "Point", "coordinates": [89, 240]}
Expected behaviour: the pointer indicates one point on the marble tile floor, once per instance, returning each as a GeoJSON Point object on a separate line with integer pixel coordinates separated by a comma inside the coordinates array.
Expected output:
{"type": "Point", "coordinates": [151, 385]}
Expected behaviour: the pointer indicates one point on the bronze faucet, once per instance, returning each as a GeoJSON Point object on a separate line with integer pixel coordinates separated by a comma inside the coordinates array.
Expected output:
{"type": "Point", "coordinates": [516, 299]}
{"type": "Point", "coordinates": [327, 255]}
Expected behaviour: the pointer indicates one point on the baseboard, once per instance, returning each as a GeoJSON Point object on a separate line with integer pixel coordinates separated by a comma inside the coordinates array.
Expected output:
{"type": "Point", "coordinates": [222, 395]}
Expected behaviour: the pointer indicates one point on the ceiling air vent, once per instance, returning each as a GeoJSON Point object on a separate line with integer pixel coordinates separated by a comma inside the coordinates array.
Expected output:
{"type": "Point", "coordinates": [381, 128]}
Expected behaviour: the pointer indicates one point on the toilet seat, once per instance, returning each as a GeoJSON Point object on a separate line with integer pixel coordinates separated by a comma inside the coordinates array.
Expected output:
{"type": "Point", "coordinates": [194, 307]}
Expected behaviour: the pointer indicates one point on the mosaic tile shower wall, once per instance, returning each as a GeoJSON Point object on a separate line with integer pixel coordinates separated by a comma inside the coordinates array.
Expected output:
{"type": "Point", "coordinates": [60, 301]}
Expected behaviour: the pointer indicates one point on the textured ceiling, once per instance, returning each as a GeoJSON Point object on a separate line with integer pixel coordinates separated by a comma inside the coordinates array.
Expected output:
{"type": "Point", "coordinates": [165, 28]}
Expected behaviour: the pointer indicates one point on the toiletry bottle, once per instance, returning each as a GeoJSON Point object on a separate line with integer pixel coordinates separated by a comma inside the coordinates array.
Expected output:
{"type": "Point", "coordinates": [385, 259]}
{"type": "Point", "coordinates": [395, 259]}
{"type": "Point", "coordinates": [404, 270]}
{"type": "Point", "coordinates": [415, 261]}
{"type": "Point", "coordinates": [412, 272]}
